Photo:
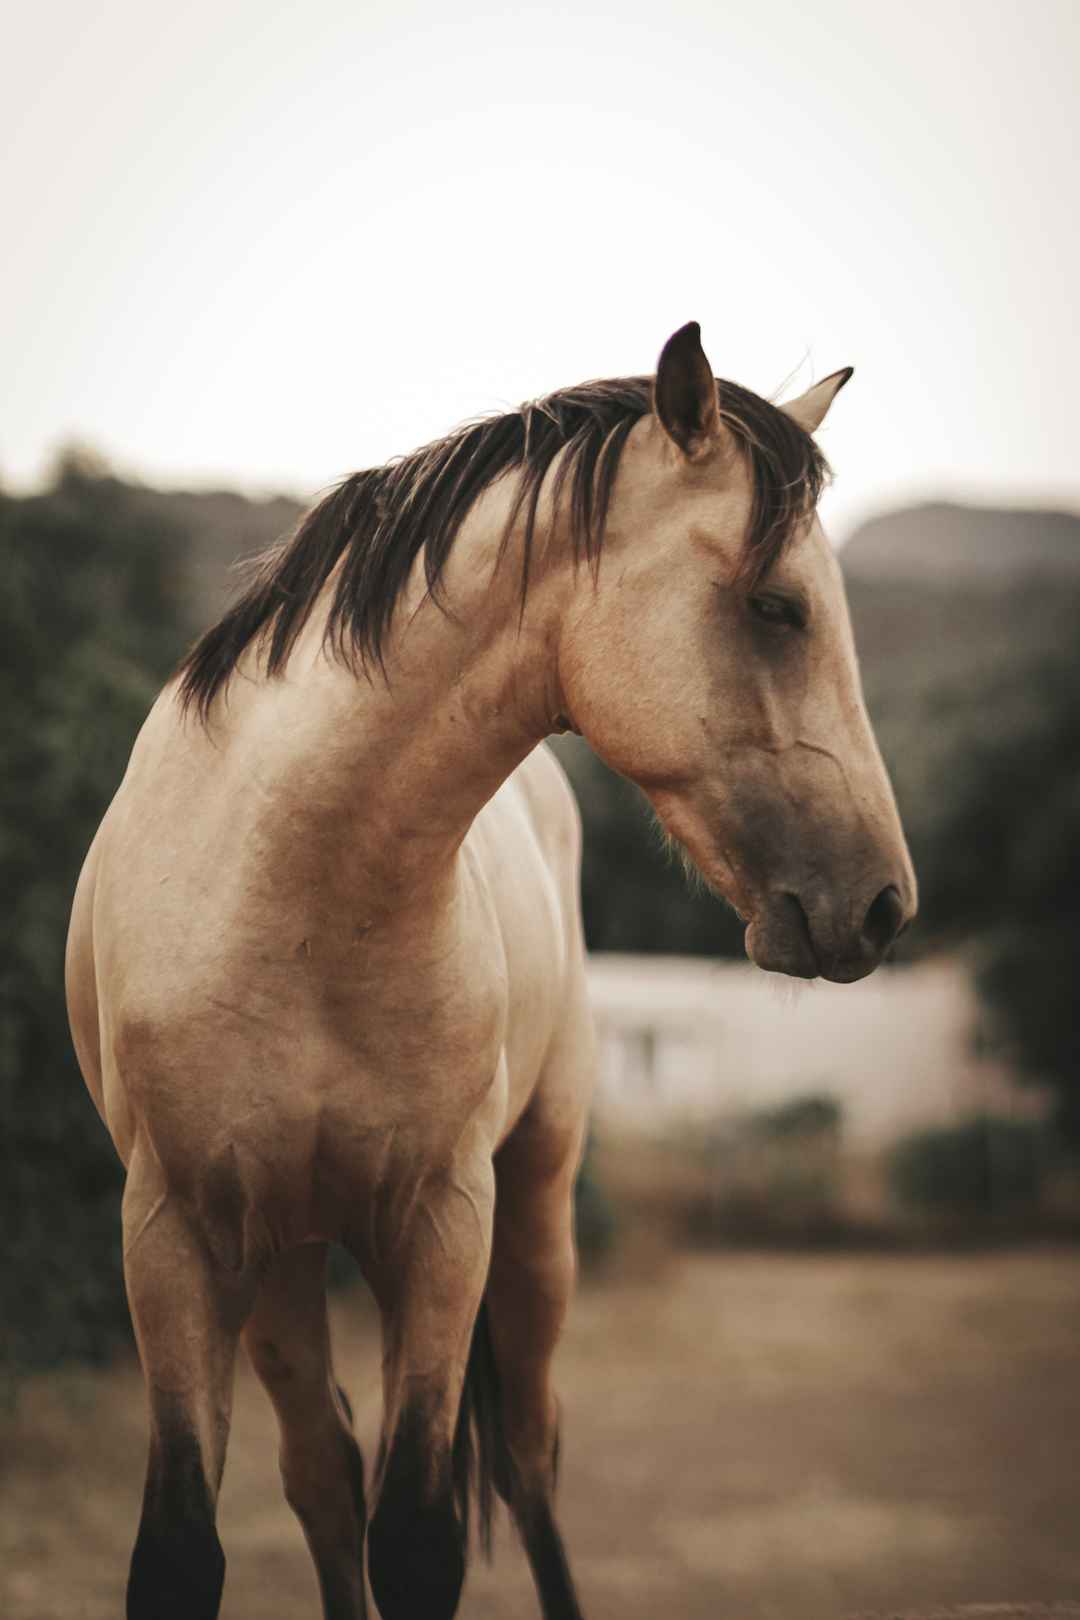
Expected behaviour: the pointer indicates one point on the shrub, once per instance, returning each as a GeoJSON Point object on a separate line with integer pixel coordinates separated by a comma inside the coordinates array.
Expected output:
{"type": "Point", "coordinates": [980, 1169]}
{"type": "Point", "coordinates": [803, 1119]}
{"type": "Point", "coordinates": [774, 1174]}
{"type": "Point", "coordinates": [87, 618]}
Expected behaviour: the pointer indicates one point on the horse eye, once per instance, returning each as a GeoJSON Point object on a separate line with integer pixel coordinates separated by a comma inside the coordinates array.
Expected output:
{"type": "Point", "coordinates": [776, 610]}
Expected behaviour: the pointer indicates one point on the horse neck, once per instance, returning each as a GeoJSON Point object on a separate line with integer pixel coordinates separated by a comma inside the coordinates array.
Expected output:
{"type": "Point", "coordinates": [402, 762]}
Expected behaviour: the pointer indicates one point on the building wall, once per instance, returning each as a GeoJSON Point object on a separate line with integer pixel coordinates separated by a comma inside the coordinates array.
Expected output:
{"type": "Point", "coordinates": [682, 1037]}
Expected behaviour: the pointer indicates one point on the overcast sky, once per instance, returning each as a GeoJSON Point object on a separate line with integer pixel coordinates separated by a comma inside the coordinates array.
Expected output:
{"type": "Point", "coordinates": [264, 245]}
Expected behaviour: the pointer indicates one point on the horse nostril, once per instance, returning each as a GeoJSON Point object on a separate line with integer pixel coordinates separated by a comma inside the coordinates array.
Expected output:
{"type": "Point", "coordinates": [884, 920]}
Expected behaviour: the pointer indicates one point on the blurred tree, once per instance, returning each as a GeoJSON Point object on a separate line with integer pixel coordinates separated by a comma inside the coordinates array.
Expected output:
{"type": "Point", "coordinates": [989, 773]}
{"type": "Point", "coordinates": [1020, 806]}
{"type": "Point", "coordinates": [89, 629]}
{"type": "Point", "coordinates": [979, 1169]}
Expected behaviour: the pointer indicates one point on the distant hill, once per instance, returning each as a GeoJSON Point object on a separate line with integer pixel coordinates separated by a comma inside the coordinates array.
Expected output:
{"type": "Point", "coordinates": [225, 528]}
{"type": "Point", "coordinates": [952, 600]}
{"type": "Point", "coordinates": [940, 542]}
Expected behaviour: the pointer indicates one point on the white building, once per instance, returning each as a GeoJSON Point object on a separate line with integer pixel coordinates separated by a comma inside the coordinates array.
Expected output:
{"type": "Point", "coordinates": [684, 1037]}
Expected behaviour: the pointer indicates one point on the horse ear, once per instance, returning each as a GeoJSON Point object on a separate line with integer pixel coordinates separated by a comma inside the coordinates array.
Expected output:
{"type": "Point", "coordinates": [684, 395]}
{"type": "Point", "coordinates": [810, 409]}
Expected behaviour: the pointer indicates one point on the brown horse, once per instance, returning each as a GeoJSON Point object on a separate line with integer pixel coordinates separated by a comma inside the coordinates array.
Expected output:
{"type": "Point", "coordinates": [325, 968]}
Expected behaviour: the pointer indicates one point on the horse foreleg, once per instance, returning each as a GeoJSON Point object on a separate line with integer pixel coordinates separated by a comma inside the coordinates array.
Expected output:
{"type": "Point", "coordinates": [187, 1310]}
{"type": "Point", "coordinates": [288, 1340]}
{"type": "Point", "coordinates": [529, 1290]}
{"type": "Point", "coordinates": [429, 1294]}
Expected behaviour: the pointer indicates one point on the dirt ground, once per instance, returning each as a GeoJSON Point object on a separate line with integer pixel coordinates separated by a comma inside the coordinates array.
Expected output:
{"type": "Point", "coordinates": [746, 1437]}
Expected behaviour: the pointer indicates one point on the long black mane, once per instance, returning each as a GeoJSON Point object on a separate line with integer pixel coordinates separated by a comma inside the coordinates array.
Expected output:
{"type": "Point", "coordinates": [376, 522]}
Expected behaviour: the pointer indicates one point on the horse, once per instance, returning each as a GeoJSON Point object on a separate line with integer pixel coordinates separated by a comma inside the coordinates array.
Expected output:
{"type": "Point", "coordinates": [325, 968]}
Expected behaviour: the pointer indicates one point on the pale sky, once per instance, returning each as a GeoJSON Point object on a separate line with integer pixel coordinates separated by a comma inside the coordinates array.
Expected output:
{"type": "Point", "coordinates": [263, 245]}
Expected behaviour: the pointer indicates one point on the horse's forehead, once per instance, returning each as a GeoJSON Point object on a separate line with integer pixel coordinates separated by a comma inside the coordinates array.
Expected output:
{"type": "Point", "coordinates": [810, 557]}
{"type": "Point", "coordinates": [810, 545]}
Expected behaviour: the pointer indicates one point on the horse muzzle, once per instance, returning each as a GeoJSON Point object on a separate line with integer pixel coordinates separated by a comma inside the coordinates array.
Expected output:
{"type": "Point", "coordinates": [784, 936]}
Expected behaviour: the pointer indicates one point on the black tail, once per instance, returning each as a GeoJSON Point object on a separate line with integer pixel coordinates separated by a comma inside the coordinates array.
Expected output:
{"type": "Point", "coordinates": [482, 1462]}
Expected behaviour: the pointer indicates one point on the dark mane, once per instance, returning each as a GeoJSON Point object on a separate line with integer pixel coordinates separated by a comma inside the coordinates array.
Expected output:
{"type": "Point", "coordinates": [376, 522]}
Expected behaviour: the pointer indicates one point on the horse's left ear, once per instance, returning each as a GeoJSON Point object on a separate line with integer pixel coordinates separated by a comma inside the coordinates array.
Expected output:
{"type": "Point", "coordinates": [684, 395]}
{"type": "Point", "coordinates": [810, 409]}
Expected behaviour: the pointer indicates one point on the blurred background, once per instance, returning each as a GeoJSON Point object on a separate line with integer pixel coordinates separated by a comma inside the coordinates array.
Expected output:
{"type": "Point", "coordinates": [823, 1355]}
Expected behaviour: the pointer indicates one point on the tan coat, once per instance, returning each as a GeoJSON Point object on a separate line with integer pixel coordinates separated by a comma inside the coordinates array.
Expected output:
{"type": "Point", "coordinates": [326, 982]}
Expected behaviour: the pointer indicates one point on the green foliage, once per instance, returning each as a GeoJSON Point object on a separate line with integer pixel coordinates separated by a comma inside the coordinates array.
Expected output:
{"type": "Point", "coordinates": [980, 724]}
{"type": "Point", "coordinates": [1015, 825]}
{"type": "Point", "coordinates": [973, 693]}
{"type": "Point", "coordinates": [88, 625]}
{"type": "Point", "coordinates": [1027, 973]}
{"type": "Point", "coordinates": [773, 1174]}
{"type": "Point", "coordinates": [802, 1119]}
{"type": "Point", "coordinates": [983, 1168]}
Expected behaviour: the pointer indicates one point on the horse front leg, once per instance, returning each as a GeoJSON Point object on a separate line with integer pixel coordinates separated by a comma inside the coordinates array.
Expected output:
{"type": "Point", "coordinates": [429, 1292]}
{"type": "Point", "coordinates": [288, 1340]}
{"type": "Point", "coordinates": [187, 1308]}
{"type": "Point", "coordinates": [532, 1278]}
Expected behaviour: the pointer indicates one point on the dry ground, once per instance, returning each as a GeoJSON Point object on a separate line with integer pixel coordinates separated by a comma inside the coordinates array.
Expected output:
{"type": "Point", "coordinates": [745, 1438]}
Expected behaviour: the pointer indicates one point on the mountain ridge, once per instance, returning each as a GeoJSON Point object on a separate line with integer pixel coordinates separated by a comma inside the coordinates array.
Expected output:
{"type": "Point", "coordinates": [939, 542]}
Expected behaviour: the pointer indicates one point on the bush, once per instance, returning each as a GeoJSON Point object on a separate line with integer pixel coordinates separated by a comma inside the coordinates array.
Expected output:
{"type": "Point", "coordinates": [803, 1119]}
{"type": "Point", "coordinates": [988, 767]}
{"type": "Point", "coordinates": [88, 619]}
{"type": "Point", "coordinates": [980, 1170]}
{"type": "Point", "coordinates": [774, 1174]}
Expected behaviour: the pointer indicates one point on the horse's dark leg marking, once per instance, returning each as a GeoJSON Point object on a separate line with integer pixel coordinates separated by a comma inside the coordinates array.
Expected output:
{"type": "Point", "coordinates": [429, 1297]}
{"type": "Point", "coordinates": [532, 1276]}
{"type": "Point", "coordinates": [531, 1503]}
{"type": "Point", "coordinates": [547, 1557]}
{"type": "Point", "coordinates": [416, 1544]}
{"type": "Point", "coordinates": [187, 1310]}
{"type": "Point", "coordinates": [177, 1567]}
{"type": "Point", "coordinates": [288, 1340]}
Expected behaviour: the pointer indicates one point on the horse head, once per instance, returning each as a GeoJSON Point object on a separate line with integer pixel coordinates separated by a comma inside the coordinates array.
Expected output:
{"type": "Point", "coordinates": [712, 661]}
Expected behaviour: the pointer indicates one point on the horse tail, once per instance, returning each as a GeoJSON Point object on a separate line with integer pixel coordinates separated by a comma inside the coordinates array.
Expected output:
{"type": "Point", "coordinates": [482, 1463]}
